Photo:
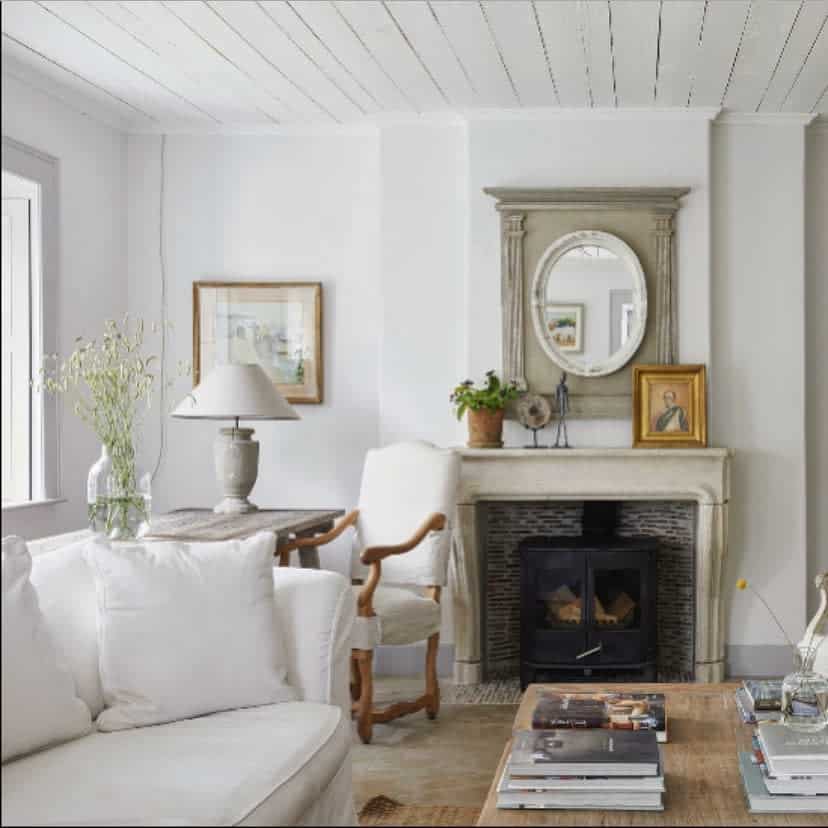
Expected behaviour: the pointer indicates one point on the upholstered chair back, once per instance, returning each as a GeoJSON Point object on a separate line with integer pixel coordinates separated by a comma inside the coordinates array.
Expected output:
{"type": "Point", "coordinates": [402, 485]}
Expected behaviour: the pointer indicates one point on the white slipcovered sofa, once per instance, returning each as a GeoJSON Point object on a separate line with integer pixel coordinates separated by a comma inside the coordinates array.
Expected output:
{"type": "Point", "coordinates": [280, 764]}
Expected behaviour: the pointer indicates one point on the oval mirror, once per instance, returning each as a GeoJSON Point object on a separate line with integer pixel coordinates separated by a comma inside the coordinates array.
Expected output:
{"type": "Point", "coordinates": [589, 303]}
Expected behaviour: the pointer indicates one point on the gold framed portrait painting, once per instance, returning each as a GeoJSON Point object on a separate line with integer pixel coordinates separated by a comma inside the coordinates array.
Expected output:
{"type": "Point", "coordinates": [669, 406]}
{"type": "Point", "coordinates": [277, 325]}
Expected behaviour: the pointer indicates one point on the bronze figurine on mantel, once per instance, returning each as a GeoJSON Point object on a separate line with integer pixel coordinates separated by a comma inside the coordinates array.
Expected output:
{"type": "Point", "coordinates": [562, 403]}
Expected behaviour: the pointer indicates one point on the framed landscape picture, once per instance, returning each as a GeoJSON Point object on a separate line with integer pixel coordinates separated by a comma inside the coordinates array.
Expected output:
{"type": "Point", "coordinates": [669, 406]}
{"type": "Point", "coordinates": [277, 325]}
{"type": "Point", "coordinates": [566, 326]}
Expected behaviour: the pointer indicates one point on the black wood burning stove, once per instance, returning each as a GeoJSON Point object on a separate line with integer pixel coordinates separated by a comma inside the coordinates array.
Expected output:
{"type": "Point", "coordinates": [588, 605]}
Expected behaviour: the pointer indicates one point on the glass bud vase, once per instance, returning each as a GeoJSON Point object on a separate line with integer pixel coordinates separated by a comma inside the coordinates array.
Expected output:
{"type": "Point", "coordinates": [805, 695]}
{"type": "Point", "coordinates": [128, 506]}
{"type": "Point", "coordinates": [97, 492]}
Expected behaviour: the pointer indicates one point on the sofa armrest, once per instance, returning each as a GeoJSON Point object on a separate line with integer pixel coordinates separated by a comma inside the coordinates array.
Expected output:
{"type": "Point", "coordinates": [315, 615]}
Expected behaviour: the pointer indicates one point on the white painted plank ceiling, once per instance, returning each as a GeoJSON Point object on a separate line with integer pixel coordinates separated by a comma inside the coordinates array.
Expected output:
{"type": "Point", "coordinates": [249, 64]}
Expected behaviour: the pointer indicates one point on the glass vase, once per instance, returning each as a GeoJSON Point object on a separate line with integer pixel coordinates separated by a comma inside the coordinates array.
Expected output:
{"type": "Point", "coordinates": [97, 482]}
{"type": "Point", "coordinates": [128, 504]}
{"type": "Point", "coordinates": [805, 695]}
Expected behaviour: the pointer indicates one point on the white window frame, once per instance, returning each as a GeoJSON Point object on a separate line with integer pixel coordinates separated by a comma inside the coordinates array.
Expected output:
{"type": "Point", "coordinates": [43, 170]}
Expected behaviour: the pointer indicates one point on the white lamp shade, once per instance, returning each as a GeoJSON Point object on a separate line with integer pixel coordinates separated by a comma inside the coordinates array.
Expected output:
{"type": "Point", "coordinates": [230, 392]}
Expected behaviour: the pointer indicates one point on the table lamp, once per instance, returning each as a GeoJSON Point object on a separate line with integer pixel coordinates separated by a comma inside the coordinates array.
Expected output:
{"type": "Point", "coordinates": [236, 392]}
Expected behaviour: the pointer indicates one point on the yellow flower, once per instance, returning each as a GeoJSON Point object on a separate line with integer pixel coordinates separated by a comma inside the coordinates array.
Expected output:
{"type": "Point", "coordinates": [741, 584]}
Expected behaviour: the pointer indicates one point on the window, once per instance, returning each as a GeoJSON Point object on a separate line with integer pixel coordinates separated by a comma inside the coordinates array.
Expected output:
{"type": "Point", "coordinates": [19, 204]}
{"type": "Point", "coordinates": [28, 419]}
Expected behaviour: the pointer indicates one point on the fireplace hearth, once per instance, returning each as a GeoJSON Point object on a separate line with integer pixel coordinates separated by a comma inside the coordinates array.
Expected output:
{"type": "Point", "coordinates": [588, 608]}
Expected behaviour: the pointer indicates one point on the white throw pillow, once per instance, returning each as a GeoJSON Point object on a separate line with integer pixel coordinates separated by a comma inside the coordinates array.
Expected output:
{"type": "Point", "coordinates": [40, 706]}
{"type": "Point", "coordinates": [186, 629]}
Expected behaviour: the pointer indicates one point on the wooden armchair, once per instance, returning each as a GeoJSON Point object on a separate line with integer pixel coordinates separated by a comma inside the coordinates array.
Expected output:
{"type": "Point", "coordinates": [402, 535]}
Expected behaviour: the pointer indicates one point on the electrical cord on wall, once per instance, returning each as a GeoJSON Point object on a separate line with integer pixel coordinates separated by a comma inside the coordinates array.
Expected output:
{"type": "Point", "coordinates": [162, 406]}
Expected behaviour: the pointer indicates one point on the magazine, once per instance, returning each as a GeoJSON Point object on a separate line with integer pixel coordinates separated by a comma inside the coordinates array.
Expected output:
{"type": "Point", "coordinates": [764, 694]}
{"type": "Point", "coordinates": [611, 711]}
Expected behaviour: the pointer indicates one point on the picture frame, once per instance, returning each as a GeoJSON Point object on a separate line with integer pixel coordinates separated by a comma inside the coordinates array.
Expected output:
{"type": "Point", "coordinates": [277, 325]}
{"type": "Point", "coordinates": [669, 406]}
{"type": "Point", "coordinates": [565, 326]}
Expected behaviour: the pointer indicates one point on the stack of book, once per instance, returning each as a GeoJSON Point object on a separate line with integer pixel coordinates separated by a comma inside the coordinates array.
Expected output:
{"type": "Point", "coordinates": [787, 772]}
{"type": "Point", "coordinates": [596, 751]}
{"type": "Point", "coordinates": [759, 700]}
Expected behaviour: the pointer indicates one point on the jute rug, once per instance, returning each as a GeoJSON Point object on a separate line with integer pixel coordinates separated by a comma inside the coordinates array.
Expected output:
{"type": "Point", "coordinates": [384, 811]}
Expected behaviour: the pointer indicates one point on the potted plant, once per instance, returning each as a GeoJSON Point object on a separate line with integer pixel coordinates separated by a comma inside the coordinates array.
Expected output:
{"type": "Point", "coordinates": [485, 408]}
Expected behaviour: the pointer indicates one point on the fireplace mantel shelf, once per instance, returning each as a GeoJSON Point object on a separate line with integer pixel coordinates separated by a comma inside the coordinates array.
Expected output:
{"type": "Point", "coordinates": [700, 475]}
{"type": "Point", "coordinates": [563, 454]}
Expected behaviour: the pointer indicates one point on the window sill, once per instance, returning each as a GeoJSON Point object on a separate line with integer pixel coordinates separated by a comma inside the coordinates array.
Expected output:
{"type": "Point", "coordinates": [33, 504]}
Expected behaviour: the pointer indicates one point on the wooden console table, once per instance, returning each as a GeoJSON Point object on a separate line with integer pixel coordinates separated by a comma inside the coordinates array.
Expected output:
{"type": "Point", "coordinates": [206, 525]}
{"type": "Point", "coordinates": [701, 764]}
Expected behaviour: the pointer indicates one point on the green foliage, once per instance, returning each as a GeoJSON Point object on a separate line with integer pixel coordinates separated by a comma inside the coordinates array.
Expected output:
{"type": "Point", "coordinates": [110, 383]}
{"type": "Point", "coordinates": [492, 395]}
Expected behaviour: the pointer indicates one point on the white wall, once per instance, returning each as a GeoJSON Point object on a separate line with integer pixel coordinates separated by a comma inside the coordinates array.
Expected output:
{"type": "Point", "coordinates": [422, 212]}
{"type": "Point", "coordinates": [91, 272]}
{"type": "Point", "coordinates": [291, 208]}
{"type": "Point", "coordinates": [758, 362]}
{"type": "Point", "coordinates": [816, 350]}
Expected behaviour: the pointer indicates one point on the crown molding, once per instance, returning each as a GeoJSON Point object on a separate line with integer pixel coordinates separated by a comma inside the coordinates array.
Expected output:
{"type": "Point", "coordinates": [309, 130]}
{"type": "Point", "coordinates": [764, 118]}
{"type": "Point", "coordinates": [592, 114]}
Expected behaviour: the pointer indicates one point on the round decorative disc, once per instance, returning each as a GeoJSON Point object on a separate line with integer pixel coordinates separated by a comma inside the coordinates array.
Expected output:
{"type": "Point", "coordinates": [534, 411]}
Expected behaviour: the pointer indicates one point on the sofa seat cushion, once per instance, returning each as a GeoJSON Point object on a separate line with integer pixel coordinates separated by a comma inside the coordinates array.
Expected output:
{"type": "Point", "coordinates": [402, 617]}
{"type": "Point", "coordinates": [266, 764]}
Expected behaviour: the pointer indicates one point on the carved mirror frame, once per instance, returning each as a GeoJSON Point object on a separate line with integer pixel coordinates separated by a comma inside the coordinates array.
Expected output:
{"type": "Point", "coordinates": [513, 204]}
{"type": "Point", "coordinates": [553, 254]}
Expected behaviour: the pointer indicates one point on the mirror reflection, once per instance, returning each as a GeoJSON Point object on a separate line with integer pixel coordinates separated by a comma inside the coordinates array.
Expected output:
{"type": "Point", "coordinates": [590, 303]}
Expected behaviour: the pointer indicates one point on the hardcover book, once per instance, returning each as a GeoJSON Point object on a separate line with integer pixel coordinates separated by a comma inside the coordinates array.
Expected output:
{"type": "Point", "coordinates": [611, 711]}
{"type": "Point", "coordinates": [760, 801]}
{"type": "Point", "coordinates": [790, 753]}
{"type": "Point", "coordinates": [600, 799]}
{"type": "Point", "coordinates": [596, 752]}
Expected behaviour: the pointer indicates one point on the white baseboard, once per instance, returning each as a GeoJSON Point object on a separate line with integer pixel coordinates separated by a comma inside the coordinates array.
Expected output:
{"type": "Point", "coordinates": [743, 660]}
{"type": "Point", "coordinates": [758, 660]}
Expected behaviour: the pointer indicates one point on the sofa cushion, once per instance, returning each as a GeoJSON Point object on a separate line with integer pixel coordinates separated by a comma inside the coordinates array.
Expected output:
{"type": "Point", "coordinates": [39, 703]}
{"type": "Point", "coordinates": [66, 588]}
{"type": "Point", "coordinates": [213, 770]}
{"type": "Point", "coordinates": [186, 629]}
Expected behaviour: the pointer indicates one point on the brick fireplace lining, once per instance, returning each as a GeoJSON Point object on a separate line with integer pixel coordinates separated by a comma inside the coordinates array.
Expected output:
{"type": "Point", "coordinates": [672, 522]}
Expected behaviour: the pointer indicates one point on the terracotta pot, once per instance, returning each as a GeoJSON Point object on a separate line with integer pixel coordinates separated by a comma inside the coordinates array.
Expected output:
{"type": "Point", "coordinates": [485, 428]}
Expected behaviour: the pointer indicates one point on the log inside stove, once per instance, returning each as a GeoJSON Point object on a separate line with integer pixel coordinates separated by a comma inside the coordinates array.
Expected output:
{"type": "Point", "coordinates": [564, 607]}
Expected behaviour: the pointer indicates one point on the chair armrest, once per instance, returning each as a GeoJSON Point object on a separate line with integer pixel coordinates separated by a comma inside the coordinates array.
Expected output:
{"type": "Point", "coordinates": [434, 523]}
{"type": "Point", "coordinates": [316, 540]}
{"type": "Point", "coordinates": [314, 614]}
{"type": "Point", "coordinates": [373, 555]}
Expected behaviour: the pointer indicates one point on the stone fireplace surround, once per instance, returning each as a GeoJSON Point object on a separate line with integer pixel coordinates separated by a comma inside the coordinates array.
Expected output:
{"type": "Point", "coordinates": [701, 476]}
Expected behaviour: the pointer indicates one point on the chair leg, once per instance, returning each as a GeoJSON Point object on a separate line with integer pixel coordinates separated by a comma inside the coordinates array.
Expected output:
{"type": "Point", "coordinates": [356, 683]}
{"type": "Point", "coordinates": [432, 684]}
{"type": "Point", "coordinates": [365, 705]}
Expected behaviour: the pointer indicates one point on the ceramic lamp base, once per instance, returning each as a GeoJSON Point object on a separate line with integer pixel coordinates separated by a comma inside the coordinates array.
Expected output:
{"type": "Point", "coordinates": [235, 506]}
{"type": "Point", "coordinates": [237, 467]}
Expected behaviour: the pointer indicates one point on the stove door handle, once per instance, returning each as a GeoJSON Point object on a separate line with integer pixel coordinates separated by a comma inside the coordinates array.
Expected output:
{"type": "Point", "coordinates": [590, 652]}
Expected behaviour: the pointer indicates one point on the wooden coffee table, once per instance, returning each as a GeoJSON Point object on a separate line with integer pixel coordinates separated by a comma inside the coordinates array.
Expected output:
{"type": "Point", "coordinates": [704, 786]}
